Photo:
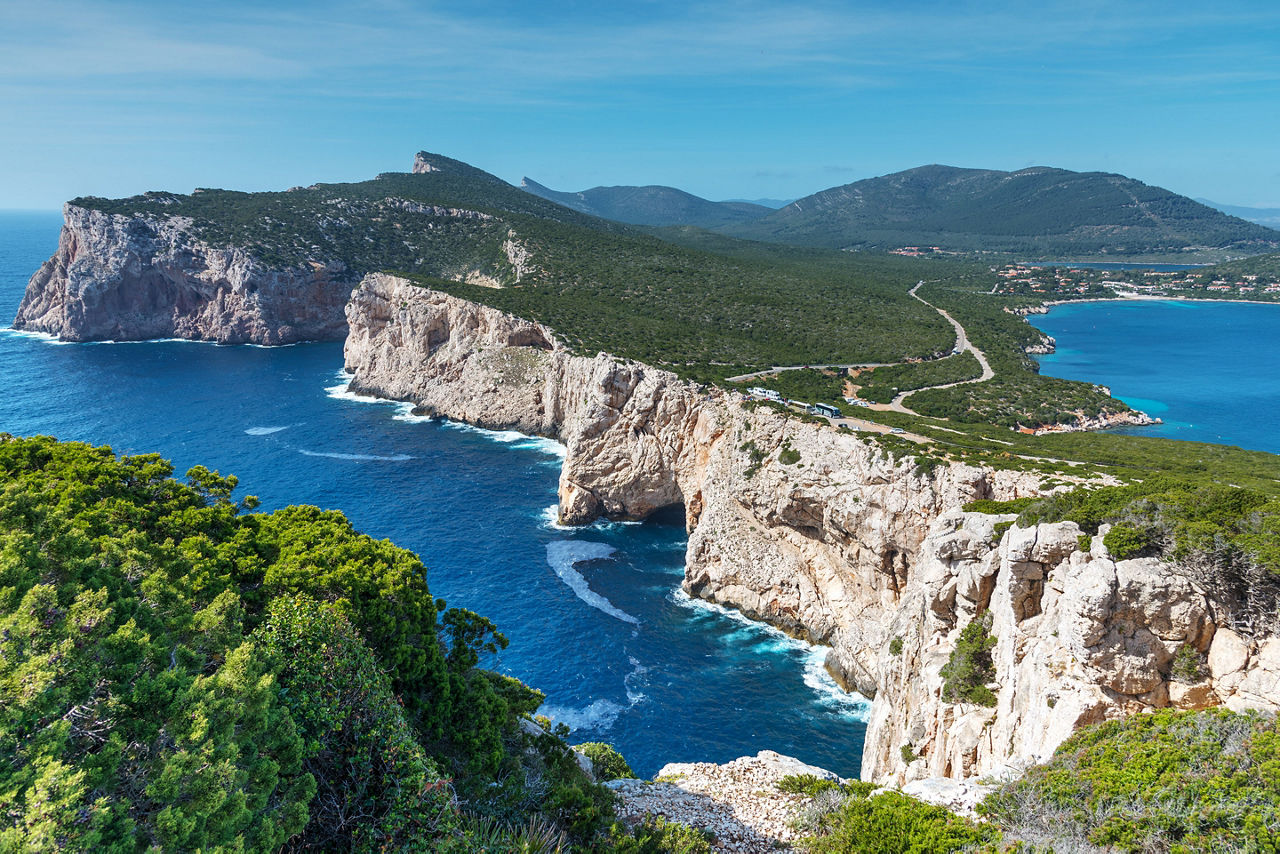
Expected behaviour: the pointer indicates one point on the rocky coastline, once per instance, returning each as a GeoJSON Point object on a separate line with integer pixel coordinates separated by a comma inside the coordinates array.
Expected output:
{"type": "Point", "coordinates": [132, 278]}
{"type": "Point", "coordinates": [837, 541]}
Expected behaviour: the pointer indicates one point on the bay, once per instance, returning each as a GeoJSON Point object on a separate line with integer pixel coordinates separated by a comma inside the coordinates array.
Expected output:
{"type": "Point", "coordinates": [1207, 368]}
{"type": "Point", "coordinates": [595, 615]}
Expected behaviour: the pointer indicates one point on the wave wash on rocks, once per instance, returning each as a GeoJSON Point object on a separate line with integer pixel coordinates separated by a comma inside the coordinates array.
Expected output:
{"type": "Point", "coordinates": [844, 546]}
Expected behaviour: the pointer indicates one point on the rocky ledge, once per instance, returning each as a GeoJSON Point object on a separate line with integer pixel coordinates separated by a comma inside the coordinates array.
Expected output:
{"type": "Point", "coordinates": [738, 802]}
{"type": "Point", "coordinates": [829, 537]}
{"type": "Point", "coordinates": [131, 278]}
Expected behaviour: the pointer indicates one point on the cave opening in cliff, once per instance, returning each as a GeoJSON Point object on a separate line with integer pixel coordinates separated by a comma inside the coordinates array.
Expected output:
{"type": "Point", "coordinates": [672, 514]}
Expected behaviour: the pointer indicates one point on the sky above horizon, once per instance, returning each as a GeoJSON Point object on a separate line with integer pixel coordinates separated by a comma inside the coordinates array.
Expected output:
{"type": "Point", "coordinates": [725, 100]}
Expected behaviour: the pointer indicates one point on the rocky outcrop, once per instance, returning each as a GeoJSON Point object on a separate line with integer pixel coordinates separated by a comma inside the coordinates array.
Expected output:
{"type": "Point", "coordinates": [118, 277]}
{"type": "Point", "coordinates": [828, 536]}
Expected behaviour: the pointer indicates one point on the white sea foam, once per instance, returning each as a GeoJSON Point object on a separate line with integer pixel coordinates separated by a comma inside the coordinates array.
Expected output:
{"type": "Point", "coordinates": [597, 715]}
{"type": "Point", "coordinates": [265, 431]}
{"type": "Point", "coordinates": [816, 677]}
{"type": "Point", "coordinates": [563, 555]}
{"type": "Point", "coordinates": [514, 438]}
{"type": "Point", "coordinates": [829, 692]}
{"type": "Point", "coordinates": [36, 336]}
{"type": "Point", "coordinates": [339, 391]}
{"type": "Point", "coordinates": [394, 458]}
{"type": "Point", "coordinates": [551, 520]}
{"type": "Point", "coordinates": [600, 714]}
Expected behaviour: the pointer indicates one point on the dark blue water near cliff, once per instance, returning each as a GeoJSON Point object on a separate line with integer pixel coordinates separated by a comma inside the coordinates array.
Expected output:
{"type": "Point", "coordinates": [594, 615]}
{"type": "Point", "coordinates": [1208, 369]}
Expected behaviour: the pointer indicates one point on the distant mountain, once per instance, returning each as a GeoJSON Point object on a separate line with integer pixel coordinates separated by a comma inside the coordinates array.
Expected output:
{"type": "Point", "coordinates": [1039, 211]}
{"type": "Point", "coordinates": [1269, 217]}
{"type": "Point", "coordinates": [650, 205]}
{"type": "Point", "coordinates": [772, 204]}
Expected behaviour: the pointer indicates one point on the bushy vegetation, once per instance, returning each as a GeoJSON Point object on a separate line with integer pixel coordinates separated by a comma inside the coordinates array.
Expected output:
{"type": "Point", "coordinates": [809, 785]}
{"type": "Point", "coordinates": [970, 668]}
{"type": "Point", "coordinates": [1226, 537]}
{"type": "Point", "coordinates": [607, 762]}
{"type": "Point", "coordinates": [600, 285]}
{"type": "Point", "coordinates": [656, 835]}
{"type": "Point", "coordinates": [892, 823]}
{"type": "Point", "coordinates": [1160, 782]}
{"type": "Point", "coordinates": [179, 674]}
{"type": "Point", "coordinates": [878, 384]}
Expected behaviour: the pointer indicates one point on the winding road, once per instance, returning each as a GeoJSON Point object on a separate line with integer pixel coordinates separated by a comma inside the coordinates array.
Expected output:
{"type": "Point", "coordinates": [896, 405]}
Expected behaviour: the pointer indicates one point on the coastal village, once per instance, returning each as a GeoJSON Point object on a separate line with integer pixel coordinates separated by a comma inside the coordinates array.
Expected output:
{"type": "Point", "coordinates": [1070, 282]}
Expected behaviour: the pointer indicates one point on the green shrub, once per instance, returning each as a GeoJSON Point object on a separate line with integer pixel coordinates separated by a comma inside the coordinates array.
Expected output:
{"type": "Point", "coordinates": [998, 529]}
{"type": "Point", "coordinates": [1165, 781]}
{"type": "Point", "coordinates": [1084, 542]}
{"type": "Point", "coordinates": [908, 754]}
{"type": "Point", "coordinates": [1125, 541]}
{"type": "Point", "coordinates": [806, 784]}
{"type": "Point", "coordinates": [970, 667]}
{"type": "Point", "coordinates": [1188, 665]}
{"type": "Point", "coordinates": [895, 646]}
{"type": "Point", "coordinates": [656, 835]}
{"type": "Point", "coordinates": [892, 823]}
{"type": "Point", "coordinates": [788, 456]}
{"type": "Point", "coordinates": [607, 762]}
{"type": "Point", "coordinates": [377, 789]}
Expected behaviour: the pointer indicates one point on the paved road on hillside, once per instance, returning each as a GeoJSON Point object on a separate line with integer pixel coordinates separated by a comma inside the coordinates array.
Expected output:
{"type": "Point", "coordinates": [962, 344]}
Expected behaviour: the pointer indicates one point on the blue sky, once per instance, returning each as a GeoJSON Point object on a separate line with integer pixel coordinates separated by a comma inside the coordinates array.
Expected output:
{"type": "Point", "coordinates": [724, 99]}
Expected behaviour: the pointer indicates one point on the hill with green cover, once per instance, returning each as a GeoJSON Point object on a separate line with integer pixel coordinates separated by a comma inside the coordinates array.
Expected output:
{"type": "Point", "coordinates": [180, 674]}
{"type": "Point", "coordinates": [650, 205]}
{"type": "Point", "coordinates": [1038, 212]}
{"type": "Point", "coordinates": [600, 284]}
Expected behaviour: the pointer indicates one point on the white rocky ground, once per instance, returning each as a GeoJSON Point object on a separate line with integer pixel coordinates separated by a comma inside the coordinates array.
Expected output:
{"type": "Point", "coordinates": [739, 801]}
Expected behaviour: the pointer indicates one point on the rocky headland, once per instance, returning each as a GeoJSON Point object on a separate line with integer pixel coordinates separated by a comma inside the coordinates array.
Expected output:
{"type": "Point", "coordinates": [129, 278]}
{"type": "Point", "coordinates": [829, 537]}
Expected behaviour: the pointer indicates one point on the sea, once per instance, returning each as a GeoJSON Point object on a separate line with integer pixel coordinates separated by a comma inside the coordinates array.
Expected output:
{"type": "Point", "coordinates": [595, 615]}
{"type": "Point", "coordinates": [1208, 369]}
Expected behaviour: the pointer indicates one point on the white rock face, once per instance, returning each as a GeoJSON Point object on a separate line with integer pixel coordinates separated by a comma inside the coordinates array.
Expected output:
{"type": "Point", "coordinates": [132, 278]}
{"type": "Point", "coordinates": [844, 546]}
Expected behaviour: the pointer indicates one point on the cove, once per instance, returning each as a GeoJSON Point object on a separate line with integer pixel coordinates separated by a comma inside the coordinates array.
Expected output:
{"type": "Point", "coordinates": [595, 615]}
{"type": "Point", "coordinates": [1207, 368]}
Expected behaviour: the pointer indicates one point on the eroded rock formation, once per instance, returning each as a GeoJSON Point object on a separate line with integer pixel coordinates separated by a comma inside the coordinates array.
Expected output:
{"type": "Point", "coordinates": [125, 278]}
{"type": "Point", "coordinates": [825, 535]}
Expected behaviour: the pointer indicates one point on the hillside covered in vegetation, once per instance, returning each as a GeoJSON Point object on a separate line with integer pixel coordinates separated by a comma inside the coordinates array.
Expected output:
{"type": "Point", "coordinates": [1037, 212]}
{"type": "Point", "coordinates": [179, 674]}
{"type": "Point", "coordinates": [650, 205]}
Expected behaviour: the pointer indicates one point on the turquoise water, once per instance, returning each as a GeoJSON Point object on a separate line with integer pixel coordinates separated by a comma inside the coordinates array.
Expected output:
{"type": "Point", "coordinates": [595, 615]}
{"type": "Point", "coordinates": [1208, 369]}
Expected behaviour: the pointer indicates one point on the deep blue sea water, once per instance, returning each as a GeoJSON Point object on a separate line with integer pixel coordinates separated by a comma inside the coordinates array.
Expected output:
{"type": "Point", "coordinates": [1210, 370]}
{"type": "Point", "coordinates": [595, 616]}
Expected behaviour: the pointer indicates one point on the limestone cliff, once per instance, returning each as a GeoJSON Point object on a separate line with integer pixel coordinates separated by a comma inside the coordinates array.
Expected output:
{"type": "Point", "coordinates": [137, 277]}
{"type": "Point", "coordinates": [825, 535]}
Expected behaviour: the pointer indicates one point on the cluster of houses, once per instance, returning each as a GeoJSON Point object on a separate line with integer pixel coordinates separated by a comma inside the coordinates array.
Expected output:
{"type": "Point", "coordinates": [1051, 280]}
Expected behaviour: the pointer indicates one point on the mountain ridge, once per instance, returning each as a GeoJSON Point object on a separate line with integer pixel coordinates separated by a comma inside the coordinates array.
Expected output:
{"type": "Point", "coordinates": [651, 205]}
{"type": "Point", "coordinates": [1039, 209]}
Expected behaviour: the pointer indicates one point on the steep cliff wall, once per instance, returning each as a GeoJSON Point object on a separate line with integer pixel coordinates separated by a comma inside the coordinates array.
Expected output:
{"type": "Point", "coordinates": [138, 277]}
{"type": "Point", "coordinates": [825, 535]}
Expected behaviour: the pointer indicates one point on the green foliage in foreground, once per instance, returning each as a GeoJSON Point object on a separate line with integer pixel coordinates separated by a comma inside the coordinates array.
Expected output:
{"type": "Point", "coordinates": [970, 668]}
{"type": "Point", "coordinates": [176, 674]}
{"type": "Point", "coordinates": [892, 823]}
{"type": "Point", "coordinates": [607, 762]}
{"type": "Point", "coordinates": [656, 835]}
{"type": "Point", "coordinates": [806, 784]}
{"type": "Point", "coordinates": [1166, 781]}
